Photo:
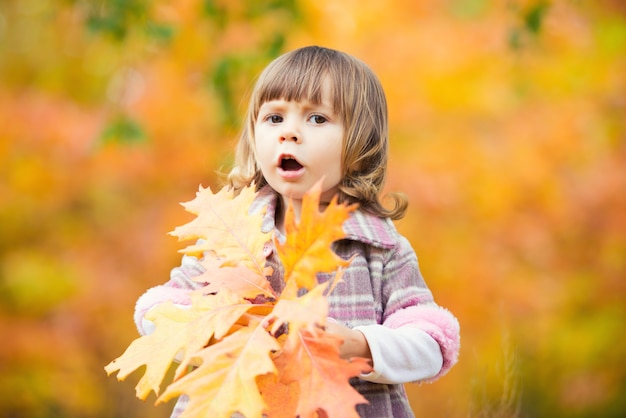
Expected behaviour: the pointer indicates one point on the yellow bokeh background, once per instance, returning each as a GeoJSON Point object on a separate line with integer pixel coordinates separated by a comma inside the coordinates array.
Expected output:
{"type": "Point", "coordinates": [508, 125]}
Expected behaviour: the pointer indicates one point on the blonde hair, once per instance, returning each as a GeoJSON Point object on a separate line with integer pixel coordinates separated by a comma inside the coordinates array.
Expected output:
{"type": "Point", "coordinates": [358, 99]}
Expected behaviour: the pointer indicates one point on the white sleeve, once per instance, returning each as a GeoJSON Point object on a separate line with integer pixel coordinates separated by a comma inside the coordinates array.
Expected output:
{"type": "Point", "coordinates": [401, 355]}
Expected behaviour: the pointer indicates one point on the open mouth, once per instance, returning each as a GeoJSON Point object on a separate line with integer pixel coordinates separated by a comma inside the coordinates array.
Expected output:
{"type": "Point", "coordinates": [290, 164]}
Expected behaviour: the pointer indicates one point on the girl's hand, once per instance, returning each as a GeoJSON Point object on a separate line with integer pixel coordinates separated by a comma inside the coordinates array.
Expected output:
{"type": "Point", "coordinates": [354, 342]}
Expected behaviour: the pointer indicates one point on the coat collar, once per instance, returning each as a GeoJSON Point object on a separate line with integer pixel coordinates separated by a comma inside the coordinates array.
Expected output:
{"type": "Point", "coordinates": [360, 226]}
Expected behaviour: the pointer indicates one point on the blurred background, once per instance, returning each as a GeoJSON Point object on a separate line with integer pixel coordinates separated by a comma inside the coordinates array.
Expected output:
{"type": "Point", "coordinates": [508, 124]}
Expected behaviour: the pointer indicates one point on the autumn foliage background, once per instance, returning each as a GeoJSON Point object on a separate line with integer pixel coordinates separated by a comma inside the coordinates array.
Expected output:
{"type": "Point", "coordinates": [508, 123]}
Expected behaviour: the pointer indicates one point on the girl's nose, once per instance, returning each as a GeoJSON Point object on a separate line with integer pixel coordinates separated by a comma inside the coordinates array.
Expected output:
{"type": "Point", "coordinates": [290, 132]}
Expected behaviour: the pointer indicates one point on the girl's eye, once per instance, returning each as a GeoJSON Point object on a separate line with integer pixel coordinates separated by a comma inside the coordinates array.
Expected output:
{"type": "Point", "coordinates": [275, 119]}
{"type": "Point", "coordinates": [317, 119]}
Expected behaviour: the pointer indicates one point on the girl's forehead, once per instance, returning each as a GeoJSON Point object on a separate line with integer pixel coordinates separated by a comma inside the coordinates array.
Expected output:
{"type": "Point", "coordinates": [316, 92]}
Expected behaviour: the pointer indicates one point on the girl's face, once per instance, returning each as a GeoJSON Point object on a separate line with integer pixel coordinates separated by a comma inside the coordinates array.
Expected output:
{"type": "Point", "coordinates": [298, 143]}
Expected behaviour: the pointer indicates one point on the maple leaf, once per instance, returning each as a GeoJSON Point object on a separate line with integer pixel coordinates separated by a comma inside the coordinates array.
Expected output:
{"type": "Point", "coordinates": [321, 374]}
{"type": "Point", "coordinates": [225, 381]}
{"type": "Point", "coordinates": [225, 227]}
{"type": "Point", "coordinates": [307, 247]}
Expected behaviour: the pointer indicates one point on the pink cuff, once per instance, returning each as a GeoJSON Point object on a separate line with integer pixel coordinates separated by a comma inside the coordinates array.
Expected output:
{"type": "Point", "coordinates": [156, 295]}
{"type": "Point", "coordinates": [437, 322]}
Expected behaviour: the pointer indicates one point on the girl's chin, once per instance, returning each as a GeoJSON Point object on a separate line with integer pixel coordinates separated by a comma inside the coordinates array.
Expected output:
{"type": "Point", "coordinates": [296, 191]}
{"type": "Point", "coordinates": [292, 196]}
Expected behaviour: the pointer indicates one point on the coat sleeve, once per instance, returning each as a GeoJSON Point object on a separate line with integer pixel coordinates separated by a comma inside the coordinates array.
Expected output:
{"type": "Point", "coordinates": [176, 290]}
{"type": "Point", "coordinates": [409, 303]}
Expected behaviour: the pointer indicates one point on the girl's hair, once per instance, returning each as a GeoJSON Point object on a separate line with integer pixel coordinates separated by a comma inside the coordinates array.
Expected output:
{"type": "Point", "coordinates": [357, 98]}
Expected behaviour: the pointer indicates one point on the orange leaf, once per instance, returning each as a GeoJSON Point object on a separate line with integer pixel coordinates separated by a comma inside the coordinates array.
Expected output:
{"type": "Point", "coordinates": [307, 247]}
{"type": "Point", "coordinates": [281, 399]}
{"type": "Point", "coordinates": [308, 310]}
{"type": "Point", "coordinates": [322, 374]}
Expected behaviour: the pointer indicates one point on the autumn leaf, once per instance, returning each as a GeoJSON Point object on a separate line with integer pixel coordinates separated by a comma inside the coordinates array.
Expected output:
{"type": "Point", "coordinates": [219, 313]}
{"type": "Point", "coordinates": [307, 247]}
{"type": "Point", "coordinates": [309, 310]}
{"type": "Point", "coordinates": [225, 381]}
{"type": "Point", "coordinates": [252, 351]}
{"type": "Point", "coordinates": [281, 399]}
{"type": "Point", "coordinates": [178, 329]}
{"type": "Point", "coordinates": [169, 337]}
{"type": "Point", "coordinates": [238, 278]}
{"type": "Point", "coordinates": [321, 374]}
{"type": "Point", "coordinates": [225, 227]}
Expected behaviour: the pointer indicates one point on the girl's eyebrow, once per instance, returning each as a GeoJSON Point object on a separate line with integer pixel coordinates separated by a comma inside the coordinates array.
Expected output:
{"type": "Point", "coordinates": [270, 106]}
{"type": "Point", "coordinates": [325, 107]}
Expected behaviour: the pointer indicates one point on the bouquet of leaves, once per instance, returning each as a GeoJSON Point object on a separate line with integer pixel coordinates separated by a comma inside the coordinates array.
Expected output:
{"type": "Point", "coordinates": [243, 348]}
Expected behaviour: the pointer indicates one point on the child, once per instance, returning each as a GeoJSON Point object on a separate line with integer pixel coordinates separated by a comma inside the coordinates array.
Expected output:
{"type": "Point", "coordinates": [319, 113]}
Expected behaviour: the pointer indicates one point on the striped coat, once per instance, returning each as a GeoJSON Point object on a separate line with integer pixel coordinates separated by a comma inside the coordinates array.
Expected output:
{"type": "Point", "coordinates": [382, 285]}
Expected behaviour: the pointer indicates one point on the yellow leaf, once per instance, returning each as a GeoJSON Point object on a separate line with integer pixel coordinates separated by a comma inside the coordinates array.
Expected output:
{"type": "Point", "coordinates": [216, 315]}
{"type": "Point", "coordinates": [177, 330]}
{"type": "Point", "coordinates": [225, 381]}
{"type": "Point", "coordinates": [156, 350]}
{"type": "Point", "coordinates": [226, 227]}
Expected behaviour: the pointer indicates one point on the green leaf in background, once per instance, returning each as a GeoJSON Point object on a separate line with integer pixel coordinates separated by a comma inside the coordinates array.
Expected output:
{"type": "Point", "coordinates": [532, 19]}
{"type": "Point", "coordinates": [534, 16]}
{"type": "Point", "coordinates": [123, 130]}
{"type": "Point", "coordinates": [115, 17]}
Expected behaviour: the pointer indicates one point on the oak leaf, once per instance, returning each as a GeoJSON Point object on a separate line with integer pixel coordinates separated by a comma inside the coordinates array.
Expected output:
{"type": "Point", "coordinates": [238, 278]}
{"type": "Point", "coordinates": [309, 310]}
{"type": "Point", "coordinates": [218, 314]}
{"type": "Point", "coordinates": [281, 399]}
{"type": "Point", "coordinates": [250, 350]}
{"type": "Point", "coordinates": [321, 374]}
{"type": "Point", "coordinates": [307, 247]}
{"type": "Point", "coordinates": [171, 328]}
{"type": "Point", "coordinates": [178, 330]}
{"type": "Point", "coordinates": [225, 381]}
{"type": "Point", "coordinates": [225, 227]}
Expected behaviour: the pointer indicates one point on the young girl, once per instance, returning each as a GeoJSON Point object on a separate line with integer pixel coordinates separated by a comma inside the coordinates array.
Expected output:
{"type": "Point", "coordinates": [316, 113]}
